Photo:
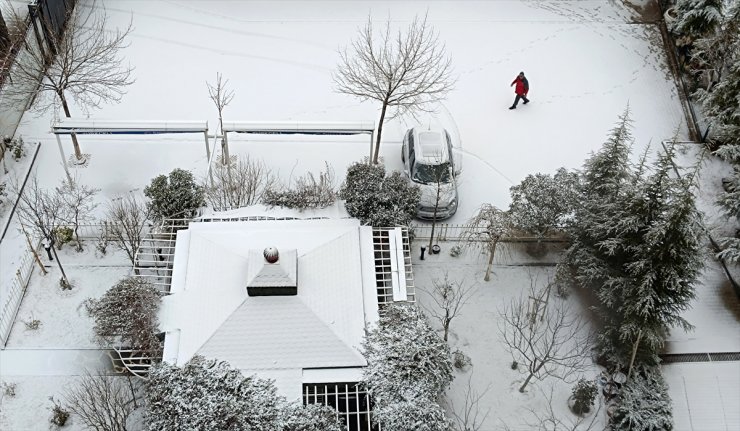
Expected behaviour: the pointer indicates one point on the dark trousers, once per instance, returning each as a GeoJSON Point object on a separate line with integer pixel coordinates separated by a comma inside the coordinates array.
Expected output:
{"type": "Point", "coordinates": [518, 97]}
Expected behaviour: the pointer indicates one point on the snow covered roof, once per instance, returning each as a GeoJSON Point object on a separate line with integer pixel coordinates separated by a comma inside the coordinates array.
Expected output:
{"type": "Point", "coordinates": [320, 327]}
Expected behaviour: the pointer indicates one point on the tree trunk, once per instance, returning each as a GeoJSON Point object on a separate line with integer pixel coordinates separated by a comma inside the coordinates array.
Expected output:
{"type": "Point", "coordinates": [78, 152]}
{"type": "Point", "coordinates": [65, 281]}
{"type": "Point", "coordinates": [490, 262]}
{"type": "Point", "coordinates": [380, 132]}
{"type": "Point", "coordinates": [224, 144]}
{"type": "Point", "coordinates": [434, 218]}
{"type": "Point", "coordinates": [526, 382]}
{"type": "Point", "coordinates": [33, 250]}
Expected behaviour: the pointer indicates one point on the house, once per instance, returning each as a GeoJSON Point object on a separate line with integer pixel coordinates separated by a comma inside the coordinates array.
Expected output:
{"type": "Point", "coordinates": [287, 300]}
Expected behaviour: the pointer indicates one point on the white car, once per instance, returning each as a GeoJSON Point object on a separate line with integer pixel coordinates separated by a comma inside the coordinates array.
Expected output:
{"type": "Point", "coordinates": [428, 162]}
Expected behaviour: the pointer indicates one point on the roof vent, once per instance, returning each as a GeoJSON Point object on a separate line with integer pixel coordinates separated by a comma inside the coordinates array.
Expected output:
{"type": "Point", "coordinates": [271, 255]}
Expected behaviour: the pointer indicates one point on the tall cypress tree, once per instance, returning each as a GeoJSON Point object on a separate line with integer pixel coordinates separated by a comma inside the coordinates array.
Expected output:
{"type": "Point", "coordinates": [606, 177]}
{"type": "Point", "coordinates": [660, 236]}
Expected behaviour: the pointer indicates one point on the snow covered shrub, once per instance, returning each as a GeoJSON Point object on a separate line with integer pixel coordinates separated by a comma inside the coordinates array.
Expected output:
{"type": "Point", "coordinates": [721, 108]}
{"type": "Point", "coordinates": [174, 196]}
{"type": "Point", "coordinates": [127, 313]}
{"type": "Point", "coordinates": [403, 351]}
{"type": "Point", "coordinates": [644, 404]}
{"type": "Point", "coordinates": [460, 360]}
{"type": "Point", "coordinates": [15, 147]}
{"type": "Point", "coordinates": [59, 415]}
{"type": "Point", "coordinates": [209, 395]}
{"type": "Point", "coordinates": [311, 417]}
{"type": "Point", "coordinates": [306, 192]}
{"type": "Point", "coordinates": [377, 199]}
{"type": "Point", "coordinates": [542, 203]}
{"type": "Point", "coordinates": [33, 324]}
{"type": "Point", "coordinates": [238, 184]}
{"type": "Point", "coordinates": [103, 403]}
{"type": "Point", "coordinates": [584, 394]}
{"type": "Point", "coordinates": [412, 414]}
{"type": "Point", "coordinates": [9, 389]}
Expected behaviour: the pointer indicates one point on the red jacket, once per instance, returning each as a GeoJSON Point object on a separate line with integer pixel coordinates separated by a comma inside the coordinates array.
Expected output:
{"type": "Point", "coordinates": [522, 86]}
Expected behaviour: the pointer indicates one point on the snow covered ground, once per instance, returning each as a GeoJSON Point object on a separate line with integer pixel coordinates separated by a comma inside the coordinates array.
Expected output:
{"type": "Point", "coordinates": [586, 62]}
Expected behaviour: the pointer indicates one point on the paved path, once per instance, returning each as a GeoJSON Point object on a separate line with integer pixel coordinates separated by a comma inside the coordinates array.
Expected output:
{"type": "Point", "coordinates": [52, 362]}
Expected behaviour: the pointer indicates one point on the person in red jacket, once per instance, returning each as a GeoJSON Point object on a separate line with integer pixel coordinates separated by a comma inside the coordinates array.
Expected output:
{"type": "Point", "coordinates": [521, 89]}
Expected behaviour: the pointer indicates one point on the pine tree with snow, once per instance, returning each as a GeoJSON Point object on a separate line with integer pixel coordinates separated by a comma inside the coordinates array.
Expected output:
{"type": "Point", "coordinates": [660, 235]}
{"type": "Point", "coordinates": [697, 18]}
{"type": "Point", "coordinates": [605, 180]}
{"type": "Point", "coordinates": [542, 203]}
{"type": "Point", "coordinates": [644, 403]}
{"type": "Point", "coordinates": [377, 199]}
{"type": "Point", "coordinates": [721, 106]}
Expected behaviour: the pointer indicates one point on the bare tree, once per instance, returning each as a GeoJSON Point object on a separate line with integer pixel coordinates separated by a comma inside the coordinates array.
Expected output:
{"type": "Point", "coordinates": [126, 219]}
{"type": "Point", "coordinates": [221, 97]}
{"type": "Point", "coordinates": [42, 212]}
{"type": "Point", "coordinates": [449, 298]}
{"type": "Point", "coordinates": [102, 402]}
{"type": "Point", "coordinates": [484, 230]}
{"type": "Point", "coordinates": [470, 417]}
{"type": "Point", "coordinates": [86, 65]}
{"type": "Point", "coordinates": [240, 185]}
{"type": "Point", "coordinates": [79, 200]}
{"type": "Point", "coordinates": [544, 337]}
{"type": "Point", "coordinates": [405, 72]}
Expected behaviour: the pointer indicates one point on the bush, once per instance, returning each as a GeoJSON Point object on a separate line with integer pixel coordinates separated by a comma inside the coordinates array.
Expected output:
{"type": "Point", "coordinates": [127, 312]}
{"type": "Point", "coordinates": [15, 147]}
{"type": "Point", "coordinates": [311, 417]}
{"type": "Point", "coordinates": [541, 203]}
{"type": "Point", "coordinates": [307, 192]}
{"type": "Point", "coordinates": [584, 394]}
{"type": "Point", "coordinates": [63, 235]}
{"type": "Point", "coordinates": [59, 415]}
{"type": "Point", "coordinates": [378, 200]}
{"type": "Point", "coordinates": [644, 403]}
{"type": "Point", "coordinates": [176, 196]}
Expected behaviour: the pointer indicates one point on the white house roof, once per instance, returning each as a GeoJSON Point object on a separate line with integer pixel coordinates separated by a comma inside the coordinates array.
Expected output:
{"type": "Point", "coordinates": [320, 327]}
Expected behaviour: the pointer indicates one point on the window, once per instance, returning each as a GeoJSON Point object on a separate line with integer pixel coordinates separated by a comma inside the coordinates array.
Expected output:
{"type": "Point", "coordinates": [351, 402]}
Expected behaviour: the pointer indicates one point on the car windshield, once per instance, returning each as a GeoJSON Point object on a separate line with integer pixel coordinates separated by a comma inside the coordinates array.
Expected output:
{"type": "Point", "coordinates": [430, 174]}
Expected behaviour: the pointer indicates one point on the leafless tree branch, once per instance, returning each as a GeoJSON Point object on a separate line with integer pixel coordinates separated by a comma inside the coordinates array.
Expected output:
{"type": "Point", "coordinates": [449, 298]}
{"type": "Point", "coordinates": [407, 72]}
{"type": "Point", "coordinates": [470, 417]}
{"type": "Point", "coordinates": [484, 230]}
{"type": "Point", "coordinates": [544, 336]}
{"type": "Point", "coordinates": [102, 402]}
{"type": "Point", "coordinates": [126, 220]}
{"type": "Point", "coordinates": [241, 185]}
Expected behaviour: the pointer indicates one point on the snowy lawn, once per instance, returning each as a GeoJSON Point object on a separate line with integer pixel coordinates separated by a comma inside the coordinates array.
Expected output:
{"type": "Point", "coordinates": [475, 332]}
{"type": "Point", "coordinates": [65, 323]}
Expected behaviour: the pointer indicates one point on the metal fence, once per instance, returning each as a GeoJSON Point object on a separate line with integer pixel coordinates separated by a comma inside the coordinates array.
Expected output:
{"type": "Point", "coordinates": [18, 287]}
{"type": "Point", "coordinates": [456, 232]}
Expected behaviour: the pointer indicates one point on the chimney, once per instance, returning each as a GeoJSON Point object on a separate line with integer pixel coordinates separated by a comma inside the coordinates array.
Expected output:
{"type": "Point", "coordinates": [271, 274]}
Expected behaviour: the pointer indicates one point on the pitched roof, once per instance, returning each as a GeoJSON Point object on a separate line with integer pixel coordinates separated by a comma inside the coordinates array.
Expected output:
{"type": "Point", "coordinates": [322, 326]}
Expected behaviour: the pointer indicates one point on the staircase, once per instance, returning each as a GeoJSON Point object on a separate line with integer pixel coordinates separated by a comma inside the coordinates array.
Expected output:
{"type": "Point", "coordinates": [156, 254]}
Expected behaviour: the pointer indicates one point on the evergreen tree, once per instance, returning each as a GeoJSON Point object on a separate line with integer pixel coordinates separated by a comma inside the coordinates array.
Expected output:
{"type": "Point", "coordinates": [721, 106]}
{"type": "Point", "coordinates": [644, 404]}
{"type": "Point", "coordinates": [174, 196]}
{"type": "Point", "coordinates": [605, 179]}
{"type": "Point", "coordinates": [659, 233]}
{"type": "Point", "coordinates": [697, 18]}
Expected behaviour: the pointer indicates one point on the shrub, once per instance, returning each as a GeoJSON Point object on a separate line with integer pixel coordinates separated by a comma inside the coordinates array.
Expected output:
{"type": "Point", "coordinates": [9, 389]}
{"type": "Point", "coordinates": [644, 403]}
{"type": "Point", "coordinates": [59, 415]}
{"type": "Point", "coordinates": [377, 199]}
{"type": "Point", "coordinates": [127, 312]}
{"type": "Point", "coordinates": [174, 196]}
{"type": "Point", "coordinates": [541, 203]}
{"type": "Point", "coordinates": [15, 147]}
{"type": "Point", "coordinates": [63, 235]}
{"type": "Point", "coordinates": [307, 192]}
{"type": "Point", "coordinates": [460, 360]}
{"type": "Point", "coordinates": [584, 394]}
{"type": "Point", "coordinates": [238, 184]}
{"type": "Point", "coordinates": [311, 417]}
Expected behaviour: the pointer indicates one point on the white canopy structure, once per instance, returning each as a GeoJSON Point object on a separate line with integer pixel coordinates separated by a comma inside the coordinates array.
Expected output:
{"type": "Point", "coordinates": [69, 126]}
